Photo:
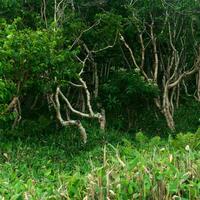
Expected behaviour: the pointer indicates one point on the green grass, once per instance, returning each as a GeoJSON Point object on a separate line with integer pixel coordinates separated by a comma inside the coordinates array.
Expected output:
{"type": "Point", "coordinates": [111, 165]}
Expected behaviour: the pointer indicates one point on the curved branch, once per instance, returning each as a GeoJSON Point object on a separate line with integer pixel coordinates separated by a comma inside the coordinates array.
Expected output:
{"type": "Point", "coordinates": [68, 122]}
{"type": "Point", "coordinates": [58, 91]}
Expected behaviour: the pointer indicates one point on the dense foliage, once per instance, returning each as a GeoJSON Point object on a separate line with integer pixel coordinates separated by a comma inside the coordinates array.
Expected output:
{"type": "Point", "coordinates": [131, 67]}
{"type": "Point", "coordinates": [130, 57]}
{"type": "Point", "coordinates": [49, 167]}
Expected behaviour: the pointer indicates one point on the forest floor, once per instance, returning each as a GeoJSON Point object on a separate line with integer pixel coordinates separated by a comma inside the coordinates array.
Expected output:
{"type": "Point", "coordinates": [111, 165]}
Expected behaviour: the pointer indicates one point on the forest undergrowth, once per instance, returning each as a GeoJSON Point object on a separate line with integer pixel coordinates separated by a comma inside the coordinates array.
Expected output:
{"type": "Point", "coordinates": [112, 165]}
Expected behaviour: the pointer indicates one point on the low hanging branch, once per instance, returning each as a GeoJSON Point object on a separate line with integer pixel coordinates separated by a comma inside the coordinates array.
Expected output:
{"type": "Point", "coordinates": [91, 114]}
{"type": "Point", "coordinates": [68, 122]}
{"type": "Point", "coordinates": [100, 116]}
{"type": "Point", "coordinates": [198, 85]}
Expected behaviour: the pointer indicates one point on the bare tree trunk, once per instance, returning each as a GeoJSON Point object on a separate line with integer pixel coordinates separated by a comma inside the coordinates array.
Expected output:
{"type": "Point", "coordinates": [177, 95]}
{"type": "Point", "coordinates": [167, 111]}
{"type": "Point", "coordinates": [169, 118]}
{"type": "Point", "coordinates": [102, 120]}
{"type": "Point", "coordinates": [15, 107]}
{"type": "Point", "coordinates": [96, 81]}
{"type": "Point", "coordinates": [72, 5]}
{"type": "Point", "coordinates": [198, 85]}
{"type": "Point", "coordinates": [43, 12]}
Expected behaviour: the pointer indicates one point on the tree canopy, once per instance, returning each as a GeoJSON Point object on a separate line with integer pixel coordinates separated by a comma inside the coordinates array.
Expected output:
{"type": "Point", "coordinates": [70, 60]}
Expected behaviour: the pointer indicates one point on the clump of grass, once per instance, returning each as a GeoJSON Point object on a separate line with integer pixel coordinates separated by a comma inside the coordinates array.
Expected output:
{"type": "Point", "coordinates": [108, 167]}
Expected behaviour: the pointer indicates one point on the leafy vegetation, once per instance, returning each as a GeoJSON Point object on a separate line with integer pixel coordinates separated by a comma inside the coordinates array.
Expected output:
{"type": "Point", "coordinates": [99, 99]}
{"type": "Point", "coordinates": [109, 166]}
{"type": "Point", "coordinates": [85, 58]}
